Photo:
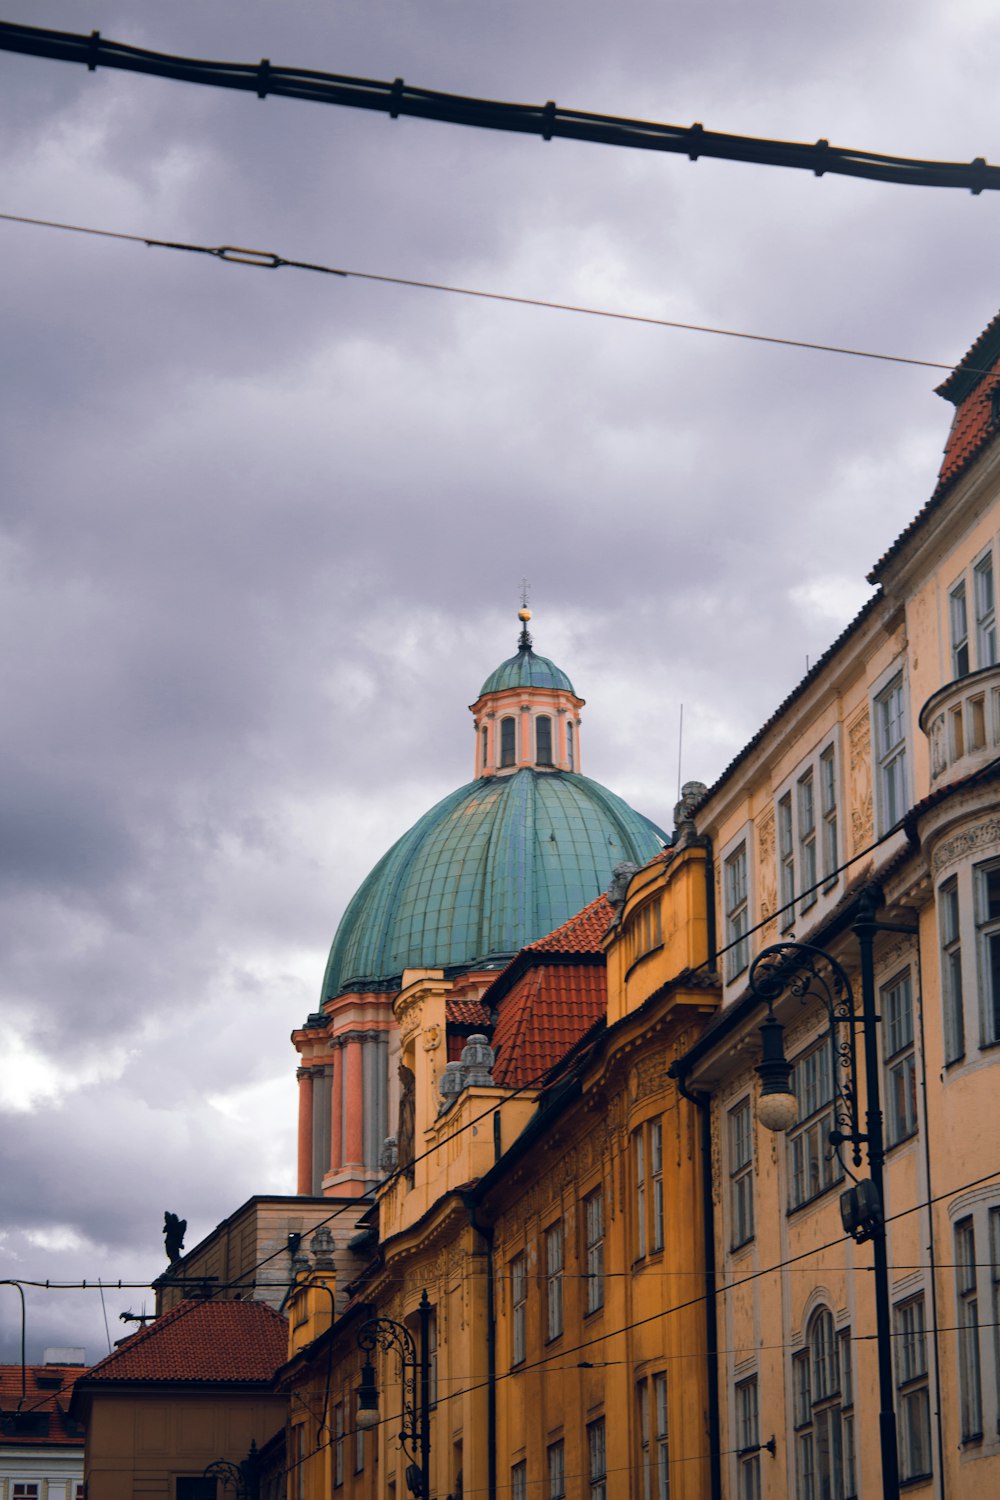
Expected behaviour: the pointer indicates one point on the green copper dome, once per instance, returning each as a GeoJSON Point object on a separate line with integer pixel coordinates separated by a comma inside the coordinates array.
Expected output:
{"type": "Point", "coordinates": [526, 670]}
{"type": "Point", "coordinates": [494, 866]}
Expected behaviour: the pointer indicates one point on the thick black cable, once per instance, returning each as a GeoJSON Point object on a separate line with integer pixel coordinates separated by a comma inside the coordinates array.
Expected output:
{"type": "Point", "coordinates": [547, 120]}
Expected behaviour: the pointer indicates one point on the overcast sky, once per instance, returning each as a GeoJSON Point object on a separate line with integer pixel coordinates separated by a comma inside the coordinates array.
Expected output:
{"type": "Point", "coordinates": [262, 532]}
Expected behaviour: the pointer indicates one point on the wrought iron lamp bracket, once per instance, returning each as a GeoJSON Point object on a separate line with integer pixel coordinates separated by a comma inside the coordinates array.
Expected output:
{"type": "Point", "coordinates": [811, 974]}
{"type": "Point", "coordinates": [387, 1334]}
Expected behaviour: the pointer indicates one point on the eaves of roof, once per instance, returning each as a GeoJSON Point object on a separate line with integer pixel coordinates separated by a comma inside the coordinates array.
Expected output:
{"type": "Point", "coordinates": [211, 1343]}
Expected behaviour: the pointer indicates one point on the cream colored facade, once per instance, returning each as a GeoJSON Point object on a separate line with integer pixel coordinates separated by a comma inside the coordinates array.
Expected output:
{"type": "Point", "coordinates": [880, 772]}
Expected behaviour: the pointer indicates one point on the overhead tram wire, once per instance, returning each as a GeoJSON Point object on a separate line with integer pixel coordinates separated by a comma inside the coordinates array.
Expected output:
{"type": "Point", "coordinates": [547, 121]}
{"type": "Point", "coordinates": [267, 260]}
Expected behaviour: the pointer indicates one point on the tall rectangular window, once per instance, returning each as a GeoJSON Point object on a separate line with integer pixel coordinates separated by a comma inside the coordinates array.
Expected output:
{"type": "Point", "coordinates": [554, 1281]}
{"type": "Point", "coordinates": [556, 1455]}
{"type": "Point", "coordinates": [737, 913]}
{"type": "Point", "coordinates": [808, 863]}
{"type": "Point", "coordinates": [741, 1172]}
{"type": "Point", "coordinates": [959, 613]}
{"type": "Point", "coordinates": [951, 972]}
{"type": "Point", "coordinates": [828, 805]}
{"type": "Point", "coordinates": [656, 1185]}
{"type": "Point", "coordinates": [988, 933]}
{"type": "Point", "coordinates": [519, 1481]}
{"type": "Point", "coordinates": [639, 1168]}
{"type": "Point", "coordinates": [645, 1446]}
{"type": "Point", "coordinates": [661, 1438]}
{"type": "Point", "coordinates": [813, 1167]}
{"type": "Point", "coordinates": [338, 1443]}
{"type": "Point", "coordinates": [748, 1440]}
{"type": "Point", "coordinates": [912, 1395]}
{"type": "Point", "coordinates": [518, 1308]}
{"type": "Point", "coordinates": [359, 1449]}
{"type": "Point", "coordinates": [890, 751]}
{"type": "Point", "coordinates": [986, 613]}
{"type": "Point", "coordinates": [597, 1464]}
{"type": "Point", "coordinates": [969, 1374]}
{"type": "Point", "coordinates": [786, 861]}
{"type": "Point", "coordinates": [543, 740]}
{"type": "Point", "coordinates": [900, 1064]}
{"type": "Point", "coordinates": [593, 1219]}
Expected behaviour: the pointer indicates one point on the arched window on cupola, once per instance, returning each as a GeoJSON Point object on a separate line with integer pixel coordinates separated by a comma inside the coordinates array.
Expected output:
{"type": "Point", "coordinates": [543, 740]}
{"type": "Point", "coordinates": [570, 755]}
{"type": "Point", "coordinates": [486, 747]}
{"type": "Point", "coordinates": [507, 742]}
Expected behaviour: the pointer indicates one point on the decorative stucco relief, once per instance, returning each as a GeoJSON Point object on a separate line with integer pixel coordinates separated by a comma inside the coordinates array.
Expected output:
{"type": "Point", "coordinates": [860, 780]}
{"type": "Point", "coordinates": [982, 838]}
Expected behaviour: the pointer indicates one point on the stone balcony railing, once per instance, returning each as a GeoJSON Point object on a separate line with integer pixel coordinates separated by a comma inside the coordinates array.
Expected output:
{"type": "Point", "coordinates": [962, 722]}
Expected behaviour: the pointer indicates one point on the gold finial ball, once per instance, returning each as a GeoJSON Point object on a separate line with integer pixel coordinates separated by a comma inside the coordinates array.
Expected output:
{"type": "Point", "coordinates": [524, 614]}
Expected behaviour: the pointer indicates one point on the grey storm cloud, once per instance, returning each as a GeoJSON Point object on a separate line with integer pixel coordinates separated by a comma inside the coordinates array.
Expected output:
{"type": "Point", "coordinates": [262, 532]}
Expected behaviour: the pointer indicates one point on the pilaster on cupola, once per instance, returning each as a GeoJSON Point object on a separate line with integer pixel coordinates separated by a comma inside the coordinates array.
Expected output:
{"type": "Point", "coordinates": [527, 715]}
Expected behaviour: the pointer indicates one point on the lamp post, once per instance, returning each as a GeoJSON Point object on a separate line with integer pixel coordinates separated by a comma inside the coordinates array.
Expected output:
{"type": "Point", "coordinates": [243, 1478]}
{"type": "Point", "coordinates": [808, 972]}
{"type": "Point", "coordinates": [415, 1433]}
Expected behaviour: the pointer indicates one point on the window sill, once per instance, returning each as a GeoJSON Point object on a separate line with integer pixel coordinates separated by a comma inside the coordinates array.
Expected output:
{"type": "Point", "coordinates": [915, 1481]}
{"type": "Point", "coordinates": [741, 1245]}
{"type": "Point", "coordinates": [904, 1140]}
{"type": "Point", "coordinates": [796, 1208]}
{"type": "Point", "coordinates": [593, 1313]}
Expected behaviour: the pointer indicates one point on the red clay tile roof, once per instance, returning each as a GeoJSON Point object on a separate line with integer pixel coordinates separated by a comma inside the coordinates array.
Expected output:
{"type": "Point", "coordinates": [581, 934]}
{"type": "Point", "coordinates": [42, 1400]}
{"type": "Point", "coordinates": [969, 386]}
{"type": "Point", "coordinates": [466, 1013]}
{"type": "Point", "coordinates": [548, 1009]}
{"type": "Point", "coordinates": [240, 1343]}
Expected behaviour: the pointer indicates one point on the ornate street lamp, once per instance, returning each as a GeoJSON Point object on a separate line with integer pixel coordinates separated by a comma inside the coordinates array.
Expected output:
{"type": "Point", "coordinates": [810, 973]}
{"type": "Point", "coordinates": [243, 1478]}
{"type": "Point", "coordinates": [415, 1433]}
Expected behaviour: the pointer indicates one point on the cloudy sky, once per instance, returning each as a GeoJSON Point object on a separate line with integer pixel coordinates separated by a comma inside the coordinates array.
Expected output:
{"type": "Point", "coordinates": [262, 532]}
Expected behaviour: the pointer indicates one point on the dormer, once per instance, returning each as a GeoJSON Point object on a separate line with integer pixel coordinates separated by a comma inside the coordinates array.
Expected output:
{"type": "Point", "coordinates": [527, 715]}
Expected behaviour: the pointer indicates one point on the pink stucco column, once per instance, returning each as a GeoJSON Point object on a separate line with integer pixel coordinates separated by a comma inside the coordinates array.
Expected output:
{"type": "Point", "coordinates": [336, 1111]}
{"type": "Point", "coordinates": [305, 1077]}
{"type": "Point", "coordinates": [354, 1104]}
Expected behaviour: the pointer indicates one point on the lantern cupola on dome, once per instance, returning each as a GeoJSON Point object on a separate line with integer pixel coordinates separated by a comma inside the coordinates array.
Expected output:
{"type": "Point", "coordinates": [527, 714]}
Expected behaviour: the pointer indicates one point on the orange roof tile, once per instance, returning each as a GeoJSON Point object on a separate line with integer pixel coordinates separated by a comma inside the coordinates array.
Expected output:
{"type": "Point", "coordinates": [467, 1013]}
{"type": "Point", "coordinates": [240, 1343]}
{"type": "Point", "coordinates": [47, 1392]}
{"type": "Point", "coordinates": [581, 934]}
{"type": "Point", "coordinates": [547, 1010]}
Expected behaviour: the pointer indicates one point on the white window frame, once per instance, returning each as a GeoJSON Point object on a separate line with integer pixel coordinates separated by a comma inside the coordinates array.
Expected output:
{"type": "Point", "coordinates": [807, 822]}
{"type": "Point", "coordinates": [987, 952]}
{"type": "Point", "coordinates": [555, 1455]}
{"type": "Point", "coordinates": [518, 1269]}
{"type": "Point", "coordinates": [519, 1480]}
{"type": "Point", "coordinates": [554, 1266]}
{"type": "Point", "coordinates": [593, 1230]}
{"type": "Point", "coordinates": [597, 1460]}
{"type": "Point", "coordinates": [949, 907]}
{"type": "Point", "coordinates": [890, 759]}
{"type": "Point", "coordinates": [747, 1439]}
{"type": "Point", "coordinates": [912, 1389]}
{"type": "Point", "coordinates": [736, 895]}
{"type": "Point", "coordinates": [897, 1006]}
{"type": "Point", "coordinates": [970, 1375]}
{"type": "Point", "coordinates": [958, 625]}
{"type": "Point", "coordinates": [741, 1141]}
{"type": "Point", "coordinates": [813, 1168]}
{"type": "Point", "coordinates": [984, 605]}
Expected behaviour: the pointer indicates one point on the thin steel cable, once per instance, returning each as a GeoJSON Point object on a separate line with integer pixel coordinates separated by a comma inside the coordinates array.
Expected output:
{"type": "Point", "coordinates": [267, 260]}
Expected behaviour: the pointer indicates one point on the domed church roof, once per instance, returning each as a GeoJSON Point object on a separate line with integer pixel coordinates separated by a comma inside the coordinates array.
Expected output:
{"type": "Point", "coordinates": [526, 670]}
{"type": "Point", "coordinates": [494, 866]}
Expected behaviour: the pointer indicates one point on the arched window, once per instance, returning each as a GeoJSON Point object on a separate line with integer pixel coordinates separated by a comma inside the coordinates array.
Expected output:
{"type": "Point", "coordinates": [543, 740]}
{"type": "Point", "coordinates": [507, 742]}
{"type": "Point", "coordinates": [486, 747]}
{"type": "Point", "coordinates": [824, 1421]}
{"type": "Point", "coordinates": [570, 756]}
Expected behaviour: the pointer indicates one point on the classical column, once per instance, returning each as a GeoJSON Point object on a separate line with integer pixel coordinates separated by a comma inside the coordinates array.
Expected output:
{"type": "Point", "coordinates": [305, 1177]}
{"type": "Point", "coordinates": [337, 1109]}
{"type": "Point", "coordinates": [354, 1103]}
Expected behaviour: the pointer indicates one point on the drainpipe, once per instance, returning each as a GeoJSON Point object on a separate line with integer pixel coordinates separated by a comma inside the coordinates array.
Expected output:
{"type": "Point", "coordinates": [486, 1232]}
{"type": "Point", "coordinates": [702, 1102]}
{"type": "Point", "coordinates": [931, 1253]}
